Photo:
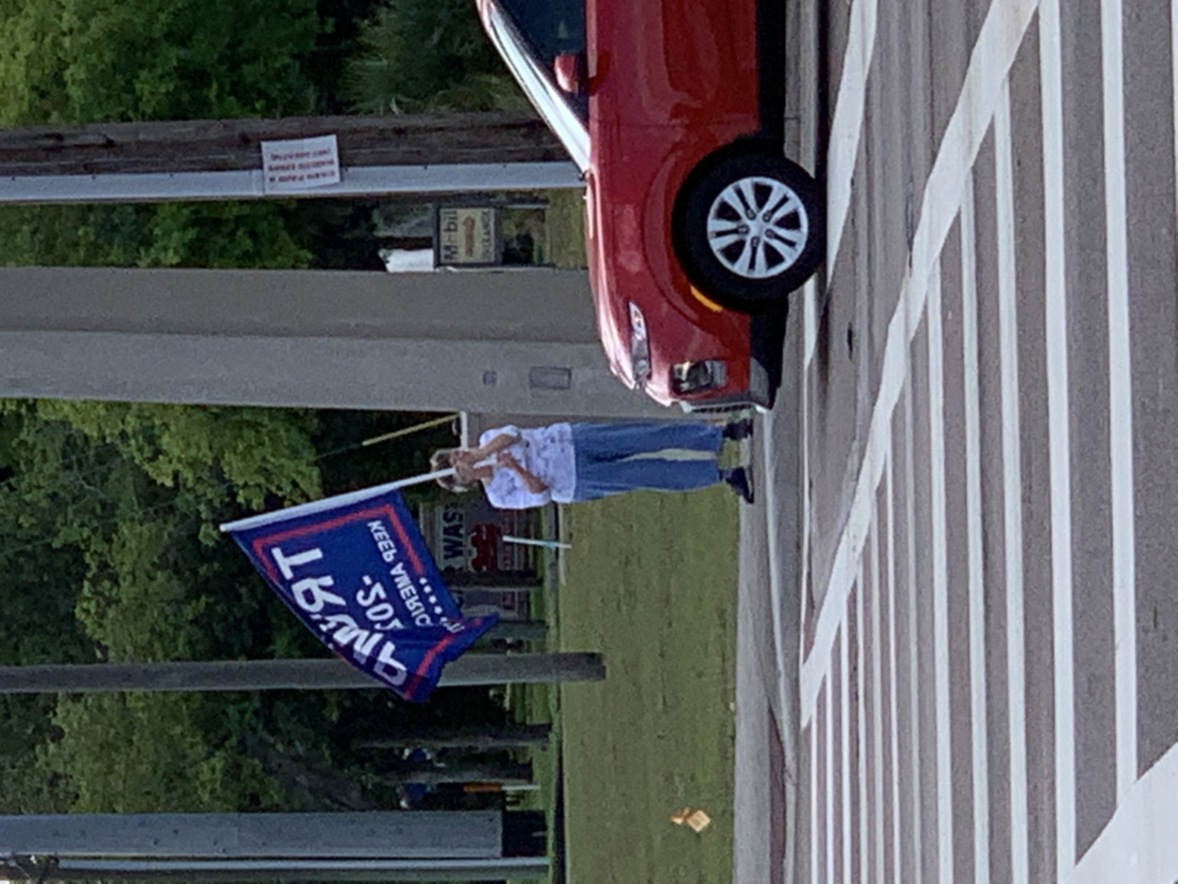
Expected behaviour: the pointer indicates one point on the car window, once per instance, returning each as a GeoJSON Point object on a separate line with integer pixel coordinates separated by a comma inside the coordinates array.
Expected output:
{"type": "Point", "coordinates": [549, 26]}
{"type": "Point", "coordinates": [530, 56]}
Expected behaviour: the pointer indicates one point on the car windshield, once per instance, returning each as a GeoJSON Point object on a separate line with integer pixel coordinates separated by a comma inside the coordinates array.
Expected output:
{"type": "Point", "coordinates": [530, 34]}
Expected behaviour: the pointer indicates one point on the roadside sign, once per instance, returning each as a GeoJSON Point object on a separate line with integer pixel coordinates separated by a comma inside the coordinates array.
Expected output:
{"type": "Point", "coordinates": [300, 164]}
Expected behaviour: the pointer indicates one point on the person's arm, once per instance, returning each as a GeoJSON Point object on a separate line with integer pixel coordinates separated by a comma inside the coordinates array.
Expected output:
{"type": "Point", "coordinates": [534, 483]}
{"type": "Point", "coordinates": [493, 446]}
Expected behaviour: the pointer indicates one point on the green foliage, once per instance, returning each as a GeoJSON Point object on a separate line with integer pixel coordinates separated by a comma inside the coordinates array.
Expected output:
{"type": "Point", "coordinates": [417, 56]}
{"type": "Point", "coordinates": [223, 235]}
{"type": "Point", "coordinates": [110, 547]}
{"type": "Point", "coordinates": [70, 61]}
{"type": "Point", "coordinates": [80, 61]}
{"type": "Point", "coordinates": [114, 554]}
{"type": "Point", "coordinates": [135, 753]}
{"type": "Point", "coordinates": [210, 455]}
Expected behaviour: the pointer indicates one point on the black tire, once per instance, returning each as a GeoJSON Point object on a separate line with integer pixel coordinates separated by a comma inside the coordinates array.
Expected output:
{"type": "Point", "coordinates": [788, 253]}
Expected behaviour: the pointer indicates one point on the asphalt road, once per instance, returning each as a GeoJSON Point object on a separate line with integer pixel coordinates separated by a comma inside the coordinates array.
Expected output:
{"type": "Point", "coordinates": [959, 643]}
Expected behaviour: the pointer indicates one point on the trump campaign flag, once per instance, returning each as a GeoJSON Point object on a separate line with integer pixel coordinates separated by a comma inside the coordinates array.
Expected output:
{"type": "Point", "coordinates": [356, 571]}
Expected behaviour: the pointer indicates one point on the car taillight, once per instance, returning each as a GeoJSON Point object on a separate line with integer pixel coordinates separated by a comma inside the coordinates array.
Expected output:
{"type": "Point", "coordinates": [639, 345]}
{"type": "Point", "coordinates": [696, 377]}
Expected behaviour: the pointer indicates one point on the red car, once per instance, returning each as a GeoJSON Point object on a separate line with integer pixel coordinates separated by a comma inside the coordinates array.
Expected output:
{"type": "Point", "coordinates": [697, 227]}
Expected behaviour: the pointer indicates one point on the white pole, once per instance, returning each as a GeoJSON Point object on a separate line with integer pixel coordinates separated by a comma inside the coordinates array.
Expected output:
{"type": "Point", "coordinates": [329, 503]}
{"type": "Point", "coordinates": [528, 541]}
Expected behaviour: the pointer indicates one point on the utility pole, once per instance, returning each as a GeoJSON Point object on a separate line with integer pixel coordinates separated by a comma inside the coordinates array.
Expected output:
{"type": "Point", "coordinates": [221, 159]}
{"type": "Point", "coordinates": [499, 342]}
{"type": "Point", "coordinates": [425, 834]}
{"type": "Point", "coordinates": [374, 846]}
{"type": "Point", "coordinates": [289, 674]}
{"type": "Point", "coordinates": [289, 870]}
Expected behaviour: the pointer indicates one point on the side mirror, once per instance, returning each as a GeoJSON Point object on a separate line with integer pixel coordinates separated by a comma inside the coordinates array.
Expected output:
{"type": "Point", "coordinates": [571, 73]}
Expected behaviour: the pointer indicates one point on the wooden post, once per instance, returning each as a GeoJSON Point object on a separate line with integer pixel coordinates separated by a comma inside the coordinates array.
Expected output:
{"type": "Point", "coordinates": [468, 772]}
{"type": "Point", "coordinates": [519, 736]}
{"type": "Point", "coordinates": [519, 630]}
{"type": "Point", "coordinates": [226, 145]}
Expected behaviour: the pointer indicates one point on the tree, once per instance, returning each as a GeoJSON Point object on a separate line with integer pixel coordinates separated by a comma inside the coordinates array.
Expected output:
{"type": "Point", "coordinates": [74, 61]}
{"type": "Point", "coordinates": [89, 60]}
{"type": "Point", "coordinates": [415, 56]}
{"type": "Point", "coordinates": [113, 554]}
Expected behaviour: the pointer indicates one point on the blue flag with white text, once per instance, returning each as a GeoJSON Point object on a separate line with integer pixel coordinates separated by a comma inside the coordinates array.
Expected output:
{"type": "Point", "coordinates": [355, 569]}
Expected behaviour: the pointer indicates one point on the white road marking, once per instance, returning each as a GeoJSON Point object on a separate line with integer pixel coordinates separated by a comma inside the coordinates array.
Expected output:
{"type": "Point", "coordinates": [785, 678]}
{"type": "Point", "coordinates": [893, 671]}
{"type": "Point", "coordinates": [1120, 396]}
{"type": "Point", "coordinates": [1174, 73]}
{"type": "Point", "coordinates": [877, 758]}
{"type": "Point", "coordinates": [993, 54]}
{"type": "Point", "coordinates": [1138, 844]}
{"type": "Point", "coordinates": [814, 823]}
{"type": "Point", "coordinates": [809, 296]}
{"type": "Point", "coordinates": [1058, 428]}
{"type": "Point", "coordinates": [1013, 520]}
{"type": "Point", "coordinates": [815, 829]}
{"type": "Point", "coordinates": [861, 680]}
{"type": "Point", "coordinates": [845, 655]}
{"type": "Point", "coordinates": [846, 130]}
{"type": "Point", "coordinates": [846, 127]}
{"type": "Point", "coordinates": [941, 658]}
{"type": "Point", "coordinates": [973, 520]}
{"type": "Point", "coordinates": [829, 797]}
{"type": "Point", "coordinates": [913, 644]}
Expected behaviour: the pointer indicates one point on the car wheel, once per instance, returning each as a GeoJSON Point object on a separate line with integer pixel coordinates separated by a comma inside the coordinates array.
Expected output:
{"type": "Point", "coordinates": [749, 229]}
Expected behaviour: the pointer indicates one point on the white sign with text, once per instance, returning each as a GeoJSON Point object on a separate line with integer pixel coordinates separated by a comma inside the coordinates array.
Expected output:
{"type": "Point", "coordinates": [300, 164]}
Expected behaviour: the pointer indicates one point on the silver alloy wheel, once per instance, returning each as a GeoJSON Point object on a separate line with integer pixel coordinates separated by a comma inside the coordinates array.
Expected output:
{"type": "Point", "coordinates": [757, 227]}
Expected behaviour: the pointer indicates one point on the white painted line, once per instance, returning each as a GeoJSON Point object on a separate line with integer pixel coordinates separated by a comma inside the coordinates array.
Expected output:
{"type": "Point", "coordinates": [979, 735]}
{"type": "Point", "coordinates": [861, 680]}
{"type": "Point", "coordinates": [1138, 844]}
{"type": "Point", "coordinates": [809, 324]}
{"type": "Point", "coordinates": [845, 688]}
{"type": "Point", "coordinates": [829, 798]}
{"type": "Point", "coordinates": [893, 671]}
{"type": "Point", "coordinates": [1120, 396]}
{"type": "Point", "coordinates": [809, 296]}
{"type": "Point", "coordinates": [814, 823]}
{"type": "Point", "coordinates": [786, 676]}
{"type": "Point", "coordinates": [1058, 427]}
{"type": "Point", "coordinates": [850, 548]}
{"type": "Point", "coordinates": [913, 644]}
{"type": "Point", "coordinates": [1013, 525]}
{"type": "Point", "coordinates": [846, 130]}
{"type": "Point", "coordinates": [877, 758]}
{"type": "Point", "coordinates": [993, 54]}
{"type": "Point", "coordinates": [846, 127]}
{"type": "Point", "coordinates": [1174, 73]}
{"type": "Point", "coordinates": [941, 656]}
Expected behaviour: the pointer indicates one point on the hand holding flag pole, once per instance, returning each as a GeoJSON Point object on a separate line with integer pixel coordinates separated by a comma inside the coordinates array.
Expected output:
{"type": "Point", "coordinates": [316, 506]}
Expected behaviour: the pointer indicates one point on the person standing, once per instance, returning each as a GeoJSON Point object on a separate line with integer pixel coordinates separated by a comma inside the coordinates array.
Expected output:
{"type": "Point", "coordinates": [574, 462]}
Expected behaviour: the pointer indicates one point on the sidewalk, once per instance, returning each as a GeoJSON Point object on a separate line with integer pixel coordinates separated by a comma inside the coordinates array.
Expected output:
{"type": "Point", "coordinates": [767, 639]}
{"type": "Point", "coordinates": [759, 804]}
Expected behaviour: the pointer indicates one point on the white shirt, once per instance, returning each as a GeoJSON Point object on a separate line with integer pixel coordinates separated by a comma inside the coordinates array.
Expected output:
{"type": "Point", "coordinates": [545, 452]}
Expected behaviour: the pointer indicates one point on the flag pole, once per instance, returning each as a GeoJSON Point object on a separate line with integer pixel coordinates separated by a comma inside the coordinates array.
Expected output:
{"type": "Point", "coordinates": [350, 497]}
